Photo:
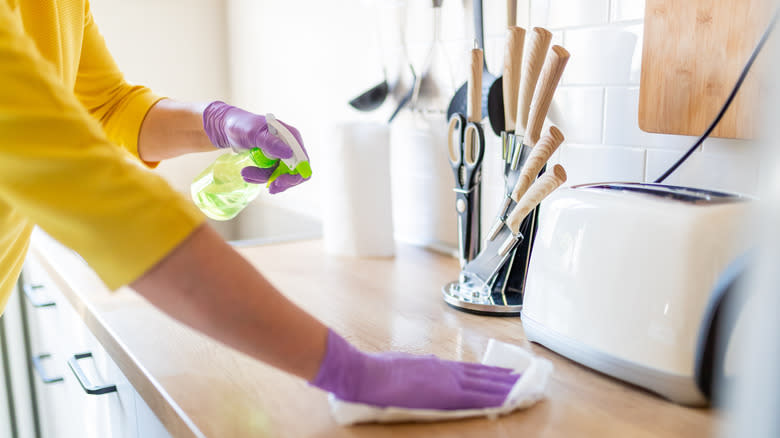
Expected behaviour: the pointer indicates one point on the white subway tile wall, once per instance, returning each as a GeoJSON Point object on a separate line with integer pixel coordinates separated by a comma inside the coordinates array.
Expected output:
{"type": "Point", "coordinates": [558, 14]}
{"type": "Point", "coordinates": [603, 55]}
{"type": "Point", "coordinates": [622, 128]}
{"type": "Point", "coordinates": [596, 104]}
{"type": "Point", "coordinates": [626, 10]}
{"type": "Point", "coordinates": [597, 163]}
{"type": "Point", "coordinates": [583, 125]}
{"type": "Point", "coordinates": [731, 172]}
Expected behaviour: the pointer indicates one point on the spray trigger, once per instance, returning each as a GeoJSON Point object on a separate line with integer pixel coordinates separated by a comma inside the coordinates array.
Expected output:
{"type": "Point", "coordinates": [299, 162]}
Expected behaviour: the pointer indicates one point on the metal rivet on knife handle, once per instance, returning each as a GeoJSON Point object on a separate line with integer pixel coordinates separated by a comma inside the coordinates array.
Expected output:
{"type": "Point", "coordinates": [497, 225]}
{"type": "Point", "coordinates": [551, 180]}
{"type": "Point", "coordinates": [551, 75]}
{"type": "Point", "coordinates": [538, 43]}
{"type": "Point", "coordinates": [474, 107]}
{"type": "Point", "coordinates": [509, 244]}
{"type": "Point", "coordinates": [536, 161]}
{"type": "Point", "coordinates": [513, 59]}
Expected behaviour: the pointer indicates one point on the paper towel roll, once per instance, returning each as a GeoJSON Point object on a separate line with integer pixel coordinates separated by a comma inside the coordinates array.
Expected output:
{"type": "Point", "coordinates": [357, 206]}
{"type": "Point", "coordinates": [422, 183]}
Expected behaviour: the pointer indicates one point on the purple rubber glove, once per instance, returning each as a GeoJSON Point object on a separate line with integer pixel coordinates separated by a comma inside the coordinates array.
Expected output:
{"type": "Point", "coordinates": [231, 127]}
{"type": "Point", "coordinates": [409, 381]}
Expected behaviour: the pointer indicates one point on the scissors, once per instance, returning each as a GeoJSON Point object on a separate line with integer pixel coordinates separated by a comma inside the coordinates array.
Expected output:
{"type": "Point", "coordinates": [465, 143]}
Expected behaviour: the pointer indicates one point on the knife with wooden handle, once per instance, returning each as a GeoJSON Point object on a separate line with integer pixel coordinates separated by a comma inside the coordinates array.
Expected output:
{"type": "Point", "coordinates": [551, 75]}
{"type": "Point", "coordinates": [538, 43]}
{"type": "Point", "coordinates": [511, 13]}
{"type": "Point", "coordinates": [474, 102]}
{"type": "Point", "coordinates": [551, 180]}
{"type": "Point", "coordinates": [513, 57]}
{"type": "Point", "coordinates": [545, 89]}
{"type": "Point", "coordinates": [533, 165]}
{"type": "Point", "coordinates": [479, 272]}
{"type": "Point", "coordinates": [536, 161]}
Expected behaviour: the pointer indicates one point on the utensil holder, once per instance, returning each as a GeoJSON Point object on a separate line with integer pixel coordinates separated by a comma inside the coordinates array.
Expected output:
{"type": "Point", "coordinates": [505, 295]}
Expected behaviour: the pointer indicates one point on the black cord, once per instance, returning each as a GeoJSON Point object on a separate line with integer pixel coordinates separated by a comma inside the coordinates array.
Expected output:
{"type": "Point", "coordinates": [726, 105]}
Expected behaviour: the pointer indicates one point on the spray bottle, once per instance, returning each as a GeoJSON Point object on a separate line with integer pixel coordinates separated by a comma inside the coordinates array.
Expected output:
{"type": "Point", "coordinates": [221, 192]}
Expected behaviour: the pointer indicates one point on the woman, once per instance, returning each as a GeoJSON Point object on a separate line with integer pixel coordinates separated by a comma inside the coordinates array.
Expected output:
{"type": "Point", "coordinates": [64, 108]}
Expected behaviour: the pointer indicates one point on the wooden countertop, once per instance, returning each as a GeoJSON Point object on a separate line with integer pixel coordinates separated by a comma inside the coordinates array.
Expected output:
{"type": "Point", "coordinates": [198, 387]}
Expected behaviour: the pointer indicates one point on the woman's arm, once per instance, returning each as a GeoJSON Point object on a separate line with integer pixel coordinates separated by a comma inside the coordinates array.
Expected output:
{"type": "Point", "coordinates": [59, 171]}
{"type": "Point", "coordinates": [207, 285]}
{"type": "Point", "coordinates": [173, 128]}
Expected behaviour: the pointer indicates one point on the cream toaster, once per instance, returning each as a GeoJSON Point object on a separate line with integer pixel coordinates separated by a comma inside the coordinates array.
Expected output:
{"type": "Point", "coordinates": [621, 280]}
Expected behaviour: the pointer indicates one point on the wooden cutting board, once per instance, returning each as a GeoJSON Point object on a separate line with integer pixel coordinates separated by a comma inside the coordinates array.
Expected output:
{"type": "Point", "coordinates": [693, 53]}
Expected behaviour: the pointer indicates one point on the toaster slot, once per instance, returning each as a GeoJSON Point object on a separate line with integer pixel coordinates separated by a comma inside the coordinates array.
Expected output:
{"type": "Point", "coordinates": [675, 193]}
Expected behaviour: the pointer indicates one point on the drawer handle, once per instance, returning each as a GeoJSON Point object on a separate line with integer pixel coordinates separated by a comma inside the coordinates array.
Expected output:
{"type": "Point", "coordinates": [30, 291]}
{"type": "Point", "coordinates": [86, 385]}
{"type": "Point", "coordinates": [45, 378]}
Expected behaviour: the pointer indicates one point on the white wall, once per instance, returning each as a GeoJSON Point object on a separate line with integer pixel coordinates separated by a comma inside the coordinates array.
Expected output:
{"type": "Point", "coordinates": [311, 57]}
{"type": "Point", "coordinates": [599, 95]}
{"type": "Point", "coordinates": [176, 47]}
{"type": "Point", "coordinates": [303, 60]}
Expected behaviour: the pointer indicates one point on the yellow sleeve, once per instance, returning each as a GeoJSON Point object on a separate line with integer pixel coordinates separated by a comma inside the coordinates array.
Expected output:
{"type": "Point", "coordinates": [100, 86]}
{"type": "Point", "coordinates": [58, 169]}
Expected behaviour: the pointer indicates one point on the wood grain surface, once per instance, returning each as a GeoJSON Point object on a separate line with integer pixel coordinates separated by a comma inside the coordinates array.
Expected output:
{"type": "Point", "coordinates": [538, 41]}
{"type": "Point", "coordinates": [513, 59]}
{"type": "Point", "coordinates": [693, 53]}
{"type": "Point", "coordinates": [199, 388]}
{"type": "Point", "coordinates": [545, 90]}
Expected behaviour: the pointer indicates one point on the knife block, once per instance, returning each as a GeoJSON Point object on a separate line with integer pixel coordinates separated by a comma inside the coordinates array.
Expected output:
{"type": "Point", "coordinates": [506, 293]}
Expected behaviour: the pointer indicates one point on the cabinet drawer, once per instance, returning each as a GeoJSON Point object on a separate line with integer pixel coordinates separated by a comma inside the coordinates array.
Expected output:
{"type": "Point", "coordinates": [43, 307]}
{"type": "Point", "coordinates": [105, 397]}
{"type": "Point", "coordinates": [93, 397]}
{"type": "Point", "coordinates": [45, 324]}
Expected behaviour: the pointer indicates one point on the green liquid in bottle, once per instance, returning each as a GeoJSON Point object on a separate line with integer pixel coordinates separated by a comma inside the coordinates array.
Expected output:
{"type": "Point", "coordinates": [220, 191]}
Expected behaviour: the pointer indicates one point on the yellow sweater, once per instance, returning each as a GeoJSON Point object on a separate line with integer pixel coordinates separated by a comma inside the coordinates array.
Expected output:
{"type": "Point", "coordinates": [64, 108]}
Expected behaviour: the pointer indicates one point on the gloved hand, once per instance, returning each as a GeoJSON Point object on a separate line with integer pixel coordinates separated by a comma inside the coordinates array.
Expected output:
{"type": "Point", "coordinates": [409, 381]}
{"type": "Point", "coordinates": [231, 127]}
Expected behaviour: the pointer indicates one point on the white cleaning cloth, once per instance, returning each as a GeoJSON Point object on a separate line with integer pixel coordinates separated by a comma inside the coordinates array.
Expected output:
{"type": "Point", "coordinates": [534, 373]}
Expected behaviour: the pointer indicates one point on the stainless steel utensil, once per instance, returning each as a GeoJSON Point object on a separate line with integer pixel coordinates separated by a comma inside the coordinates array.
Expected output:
{"type": "Point", "coordinates": [407, 96]}
{"type": "Point", "coordinates": [479, 274]}
{"type": "Point", "coordinates": [375, 96]}
{"type": "Point", "coordinates": [551, 73]}
{"type": "Point", "coordinates": [534, 164]}
{"type": "Point", "coordinates": [404, 86]}
{"type": "Point", "coordinates": [508, 90]}
{"type": "Point", "coordinates": [372, 98]}
{"type": "Point", "coordinates": [533, 60]}
{"type": "Point", "coordinates": [435, 85]}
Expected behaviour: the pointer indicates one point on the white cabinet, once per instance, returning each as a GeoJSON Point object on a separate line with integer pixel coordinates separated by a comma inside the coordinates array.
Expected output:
{"type": "Point", "coordinates": [17, 384]}
{"type": "Point", "coordinates": [105, 397]}
{"type": "Point", "coordinates": [149, 426]}
{"type": "Point", "coordinates": [7, 417]}
{"type": "Point", "coordinates": [80, 390]}
{"type": "Point", "coordinates": [45, 331]}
